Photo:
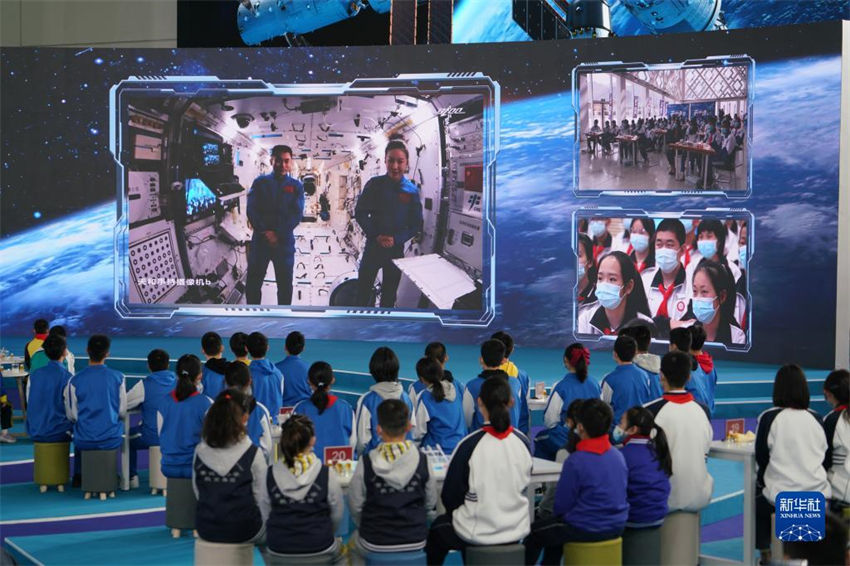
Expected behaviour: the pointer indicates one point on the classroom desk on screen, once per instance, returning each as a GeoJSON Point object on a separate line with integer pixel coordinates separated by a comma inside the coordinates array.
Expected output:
{"type": "Point", "coordinates": [740, 452]}
{"type": "Point", "coordinates": [631, 140]}
{"type": "Point", "coordinates": [689, 147]}
{"type": "Point", "coordinates": [596, 137]}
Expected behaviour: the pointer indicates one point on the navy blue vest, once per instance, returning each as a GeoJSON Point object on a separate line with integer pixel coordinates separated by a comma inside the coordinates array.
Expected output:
{"type": "Point", "coordinates": [226, 510]}
{"type": "Point", "coordinates": [394, 516]}
{"type": "Point", "coordinates": [300, 527]}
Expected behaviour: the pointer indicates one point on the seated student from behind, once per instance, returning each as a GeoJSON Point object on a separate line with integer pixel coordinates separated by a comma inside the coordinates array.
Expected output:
{"type": "Point", "coordinates": [46, 418]}
{"type": "Point", "coordinates": [512, 370]}
{"type": "Point", "coordinates": [96, 400]}
{"type": "Point", "coordinates": [485, 485]}
{"type": "Point", "coordinates": [151, 393]}
{"type": "Point", "coordinates": [294, 371]}
{"type": "Point", "coordinates": [266, 379]}
{"type": "Point", "coordinates": [836, 391]}
{"type": "Point", "coordinates": [681, 341]}
{"type": "Point", "coordinates": [384, 368]}
{"type": "Point", "coordinates": [439, 409]}
{"type": "Point", "coordinates": [689, 433]}
{"type": "Point", "coordinates": [437, 351]}
{"type": "Point", "coordinates": [705, 371]}
{"type": "Point", "coordinates": [650, 466]}
{"type": "Point", "coordinates": [590, 500]}
{"type": "Point", "coordinates": [492, 357]}
{"type": "Point", "coordinates": [305, 496]}
{"type": "Point", "coordinates": [237, 377]}
{"type": "Point", "coordinates": [181, 419]}
{"type": "Point", "coordinates": [333, 417]}
{"type": "Point", "coordinates": [650, 363]}
{"type": "Point", "coordinates": [214, 366]}
{"type": "Point", "coordinates": [239, 347]}
{"type": "Point", "coordinates": [627, 385]}
{"type": "Point", "coordinates": [545, 447]}
{"type": "Point", "coordinates": [393, 493]}
{"type": "Point", "coordinates": [229, 475]}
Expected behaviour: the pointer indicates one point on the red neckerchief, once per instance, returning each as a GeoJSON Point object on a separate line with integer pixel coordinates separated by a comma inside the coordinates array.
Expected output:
{"type": "Point", "coordinates": [632, 437]}
{"type": "Point", "coordinates": [665, 296]}
{"type": "Point", "coordinates": [598, 445]}
{"type": "Point", "coordinates": [630, 250]}
{"type": "Point", "coordinates": [331, 400]}
{"type": "Point", "coordinates": [840, 408]}
{"type": "Point", "coordinates": [174, 395]}
{"type": "Point", "coordinates": [608, 331]}
{"type": "Point", "coordinates": [680, 398]}
{"type": "Point", "coordinates": [41, 336]}
{"type": "Point", "coordinates": [687, 256]}
{"type": "Point", "coordinates": [596, 251]}
{"type": "Point", "coordinates": [705, 362]}
{"type": "Point", "coordinates": [500, 435]}
{"type": "Point", "coordinates": [641, 265]}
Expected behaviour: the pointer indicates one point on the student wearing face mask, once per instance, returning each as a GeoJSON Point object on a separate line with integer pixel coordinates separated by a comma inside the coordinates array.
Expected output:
{"type": "Point", "coordinates": [641, 235]}
{"type": "Point", "coordinates": [713, 304]}
{"type": "Point", "coordinates": [665, 287]}
{"type": "Point", "coordinates": [586, 271]}
{"type": "Point", "coordinates": [597, 229]}
{"type": "Point", "coordinates": [710, 244]}
{"type": "Point", "coordinates": [620, 298]}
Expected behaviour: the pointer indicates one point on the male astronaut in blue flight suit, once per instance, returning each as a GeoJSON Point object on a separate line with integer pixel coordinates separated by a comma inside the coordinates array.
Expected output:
{"type": "Point", "coordinates": [275, 207]}
{"type": "Point", "coordinates": [390, 213]}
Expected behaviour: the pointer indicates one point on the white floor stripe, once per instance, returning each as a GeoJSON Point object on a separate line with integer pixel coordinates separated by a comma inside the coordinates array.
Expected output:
{"type": "Point", "coordinates": [727, 496]}
{"type": "Point", "coordinates": [24, 553]}
{"type": "Point", "coordinates": [78, 517]}
{"type": "Point", "coordinates": [12, 463]}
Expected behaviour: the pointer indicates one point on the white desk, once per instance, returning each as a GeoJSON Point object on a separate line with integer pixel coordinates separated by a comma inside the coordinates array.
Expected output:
{"type": "Point", "coordinates": [20, 376]}
{"type": "Point", "coordinates": [740, 452]}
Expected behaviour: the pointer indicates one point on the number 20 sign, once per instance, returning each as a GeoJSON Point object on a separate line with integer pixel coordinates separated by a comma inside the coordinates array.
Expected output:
{"type": "Point", "coordinates": [334, 454]}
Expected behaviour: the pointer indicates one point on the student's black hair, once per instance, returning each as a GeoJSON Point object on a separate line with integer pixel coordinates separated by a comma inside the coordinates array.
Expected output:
{"type": "Point", "coordinates": [430, 370]}
{"type": "Point", "coordinates": [158, 360]}
{"type": "Point", "coordinates": [223, 423]}
{"type": "Point", "coordinates": [722, 281]}
{"type": "Point", "coordinates": [295, 343]}
{"type": "Point", "coordinates": [636, 300]}
{"type": "Point", "coordinates": [837, 383]}
{"type": "Point", "coordinates": [384, 365]}
{"type": "Point", "coordinates": [41, 326]}
{"type": "Point", "coordinates": [60, 330]}
{"type": "Point", "coordinates": [54, 346]}
{"type": "Point", "coordinates": [258, 345]}
{"type": "Point", "coordinates": [625, 347]}
{"type": "Point", "coordinates": [673, 225]}
{"type": "Point", "coordinates": [681, 338]}
{"type": "Point", "coordinates": [587, 244]}
{"type": "Point", "coordinates": [649, 226]}
{"type": "Point", "coordinates": [495, 394]}
{"type": "Point", "coordinates": [642, 335]}
{"type": "Point", "coordinates": [211, 343]}
{"type": "Point", "coordinates": [239, 344]}
{"type": "Point", "coordinates": [644, 420]}
{"type": "Point", "coordinates": [295, 436]}
{"type": "Point", "coordinates": [393, 416]}
{"type": "Point", "coordinates": [698, 336]}
{"type": "Point", "coordinates": [188, 369]}
{"type": "Point", "coordinates": [829, 551]}
{"type": "Point", "coordinates": [437, 350]}
{"type": "Point", "coordinates": [717, 228]}
{"type": "Point", "coordinates": [676, 367]}
{"type": "Point", "coordinates": [98, 347]}
{"type": "Point", "coordinates": [573, 409]}
{"type": "Point", "coordinates": [790, 388]}
{"type": "Point", "coordinates": [578, 356]}
{"type": "Point", "coordinates": [396, 144]}
{"type": "Point", "coordinates": [505, 339]}
{"type": "Point", "coordinates": [595, 417]}
{"type": "Point", "coordinates": [320, 375]}
{"type": "Point", "coordinates": [280, 150]}
{"type": "Point", "coordinates": [237, 374]}
{"type": "Point", "coordinates": [493, 353]}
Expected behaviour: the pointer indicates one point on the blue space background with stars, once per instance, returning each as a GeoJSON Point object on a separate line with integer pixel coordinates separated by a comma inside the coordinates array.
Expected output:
{"type": "Point", "coordinates": [59, 180]}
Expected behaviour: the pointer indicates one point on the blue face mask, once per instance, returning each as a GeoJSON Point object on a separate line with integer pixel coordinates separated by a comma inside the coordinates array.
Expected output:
{"type": "Point", "coordinates": [666, 259]}
{"type": "Point", "coordinates": [742, 256]}
{"type": "Point", "coordinates": [724, 131]}
{"type": "Point", "coordinates": [737, 124]}
{"type": "Point", "coordinates": [704, 309]}
{"type": "Point", "coordinates": [687, 223]}
{"type": "Point", "coordinates": [639, 242]}
{"type": "Point", "coordinates": [618, 435]}
{"type": "Point", "coordinates": [707, 248]}
{"type": "Point", "coordinates": [597, 228]}
{"type": "Point", "coordinates": [581, 270]}
{"type": "Point", "coordinates": [608, 295]}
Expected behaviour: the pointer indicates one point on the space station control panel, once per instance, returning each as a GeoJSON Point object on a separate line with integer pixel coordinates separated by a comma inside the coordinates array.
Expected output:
{"type": "Point", "coordinates": [191, 148]}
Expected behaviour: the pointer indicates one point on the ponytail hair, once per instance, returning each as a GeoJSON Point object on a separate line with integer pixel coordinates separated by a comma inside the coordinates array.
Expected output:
{"type": "Point", "coordinates": [437, 350]}
{"type": "Point", "coordinates": [579, 358]}
{"type": "Point", "coordinates": [496, 395]}
{"type": "Point", "coordinates": [295, 436]}
{"type": "Point", "coordinates": [320, 375]}
{"type": "Point", "coordinates": [188, 370]}
{"type": "Point", "coordinates": [645, 423]}
{"type": "Point", "coordinates": [223, 424]}
{"type": "Point", "coordinates": [838, 383]}
{"type": "Point", "coordinates": [431, 372]}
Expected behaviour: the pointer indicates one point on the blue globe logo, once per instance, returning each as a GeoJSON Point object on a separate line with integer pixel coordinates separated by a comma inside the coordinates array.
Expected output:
{"type": "Point", "coordinates": [800, 533]}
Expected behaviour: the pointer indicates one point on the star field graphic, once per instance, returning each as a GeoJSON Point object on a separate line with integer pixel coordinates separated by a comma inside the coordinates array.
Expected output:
{"type": "Point", "coordinates": [58, 201]}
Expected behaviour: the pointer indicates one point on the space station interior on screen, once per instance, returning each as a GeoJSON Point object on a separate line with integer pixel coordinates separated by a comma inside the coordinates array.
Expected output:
{"type": "Point", "coordinates": [665, 273]}
{"type": "Point", "coordinates": [664, 129]}
{"type": "Point", "coordinates": [215, 220]}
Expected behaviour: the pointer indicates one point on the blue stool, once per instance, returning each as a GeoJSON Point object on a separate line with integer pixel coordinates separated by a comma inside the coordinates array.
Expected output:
{"type": "Point", "coordinates": [393, 558]}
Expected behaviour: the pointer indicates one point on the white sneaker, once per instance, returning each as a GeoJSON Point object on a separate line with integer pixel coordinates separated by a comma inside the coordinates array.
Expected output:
{"type": "Point", "coordinates": [7, 438]}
